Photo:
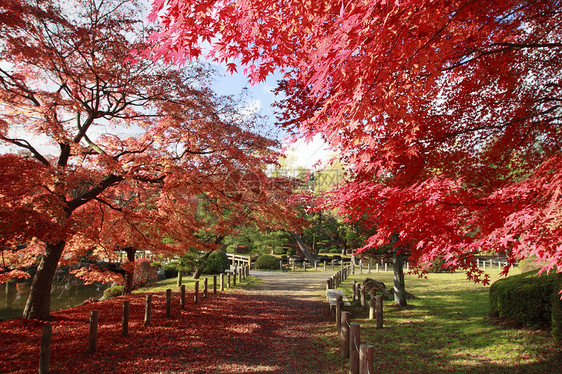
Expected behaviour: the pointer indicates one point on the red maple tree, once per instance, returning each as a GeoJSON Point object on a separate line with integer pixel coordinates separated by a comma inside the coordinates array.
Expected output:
{"type": "Point", "coordinates": [446, 111]}
{"type": "Point", "coordinates": [101, 150]}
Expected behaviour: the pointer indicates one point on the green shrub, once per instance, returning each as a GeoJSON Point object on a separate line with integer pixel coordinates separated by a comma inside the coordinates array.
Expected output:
{"type": "Point", "coordinates": [112, 292]}
{"type": "Point", "coordinates": [266, 262]}
{"type": "Point", "coordinates": [557, 312]}
{"type": "Point", "coordinates": [525, 299]}
{"type": "Point", "coordinates": [291, 252]}
{"type": "Point", "coordinates": [217, 263]}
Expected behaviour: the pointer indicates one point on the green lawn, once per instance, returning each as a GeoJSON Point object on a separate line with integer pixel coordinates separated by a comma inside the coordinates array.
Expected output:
{"type": "Point", "coordinates": [447, 329]}
{"type": "Point", "coordinates": [189, 283]}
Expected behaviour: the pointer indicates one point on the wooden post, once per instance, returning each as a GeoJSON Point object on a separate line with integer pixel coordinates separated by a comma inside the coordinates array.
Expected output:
{"type": "Point", "coordinates": [354, 343]}
{"type": "Point", "coordinates": [168, 302]}
{"type": "Point", "coordinates": [196, 296]}
{"type": "Point", "coordinates": [92, 342]}
{"type": "Point", "coordinates": [228, 281]}
{"type": "Point", "coordinates": [332, 264]}
{"type": "Point", "coordinates": [45, 352]}
{"type": "Point", "coordinates": [329, 284]}
{"type": "Point", "coordinates": [182, 296]}
{"type": "Point", "coordinates": [147, 309]}
{"type": "Point", "coordinates": [339, 304]}
{"type": "Point", "coordinates": [241, 271]}
{"type": "Point", "coordinates": [385, 266]}
{"type": "Point", "coordinates": [315, 265]}
{"type": "Point", "coordinates": [205, 287]}
{"type": "Point", "coordinates": [324, 265]}
{"type": "Point", "coordinates": [125, 318]}
{"type": "Point", "coordinates": [377, 267]}
{"type": "Point", "coordinates": [355, 298]}
{"type": "Point", "coordinates": [363, 298]}
{"type": "Point", "coordinates": [352, 268]}
{"type": "Point", "coordinates": [214, 284]}
{"type": "Point", "coordinates": [280, 264]}
{"type": "Point", "coordinates": [304, 265]}
{"type": "Point", "coordinates": [379, 311]}
{"type": "Point", "coordinates": [344, 334]}
{"type": "Point", "coordinates": [369, 265]}
{"type": "Point", "coordinates": [341, 265]}
{"type": "Point", "coordinates": [372, 305]}
{"type": "Point", "coordinates": [366, 353]}
{"type": "Point", "coordinates": [234, 276]}
{"type": "Point", "coordinates": [360, 267]}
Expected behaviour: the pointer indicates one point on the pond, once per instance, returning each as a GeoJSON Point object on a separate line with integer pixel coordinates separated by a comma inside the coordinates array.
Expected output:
{"type": "Point", "coordinates": [13, 296]}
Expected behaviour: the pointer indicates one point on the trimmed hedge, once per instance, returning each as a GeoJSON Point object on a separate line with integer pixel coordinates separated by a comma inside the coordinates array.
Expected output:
{"type": "Point", "coordinates": [217, 263]}
{"type": "Point", "coordinates": [525, 299]}
{"type": "Point", "coordinates": [266, 262]}
{"type": "Point", "coordinates": [557, 312]}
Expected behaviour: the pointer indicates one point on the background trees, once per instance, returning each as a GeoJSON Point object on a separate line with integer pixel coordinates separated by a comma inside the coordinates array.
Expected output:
{"type": "Point", "coordinates": [104, 153]}
{"type": "Point", "coordinates": [447, 112]}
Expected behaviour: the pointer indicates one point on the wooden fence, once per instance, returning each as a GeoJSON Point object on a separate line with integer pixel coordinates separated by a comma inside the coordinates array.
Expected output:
{"type": "Point", "coordinates": [241, 272]}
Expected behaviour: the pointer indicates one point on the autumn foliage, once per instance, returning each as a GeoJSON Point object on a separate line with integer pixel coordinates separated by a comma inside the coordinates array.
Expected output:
{"type": "Point", "coordinates": [447, 113]}
{"type": "Point", "coordinates": [105, 150]}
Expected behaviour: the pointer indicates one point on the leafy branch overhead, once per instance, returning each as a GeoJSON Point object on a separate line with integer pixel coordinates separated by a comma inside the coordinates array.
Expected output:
{"type": "Point", "coordinates": [446, 113]}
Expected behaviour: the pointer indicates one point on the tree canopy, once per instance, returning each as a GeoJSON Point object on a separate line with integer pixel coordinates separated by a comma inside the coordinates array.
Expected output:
{"type": "Point", "coordinates": [104, 151]}
{"type": "Point", "coordinates": [446, 111]}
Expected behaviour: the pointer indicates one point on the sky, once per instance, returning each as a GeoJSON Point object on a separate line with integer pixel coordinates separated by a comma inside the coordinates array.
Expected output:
{"type": "Point", "coordinates": [301, 154]}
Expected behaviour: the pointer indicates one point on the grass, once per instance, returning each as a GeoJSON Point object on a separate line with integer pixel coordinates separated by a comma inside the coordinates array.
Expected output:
{"type": "Point", "coordinates": [189, 282]}
{"type": "Point", "coordinates": [447, 329]}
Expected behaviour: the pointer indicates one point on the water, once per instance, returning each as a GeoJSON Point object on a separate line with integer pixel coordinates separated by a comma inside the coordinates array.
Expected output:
{"type": "Point", "coordinates": [13, 296]}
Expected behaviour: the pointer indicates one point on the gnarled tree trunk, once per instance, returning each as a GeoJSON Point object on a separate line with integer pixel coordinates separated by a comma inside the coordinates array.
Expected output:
{"type": "Point", "coordinates": [130, 272]}
{"type": "Point", "coordinates": [38, 305]}
{"type": "Point", "coordinates": [304, 248]}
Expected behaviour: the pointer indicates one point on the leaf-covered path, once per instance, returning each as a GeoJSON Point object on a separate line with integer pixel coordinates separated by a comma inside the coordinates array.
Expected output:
{"type": "Point", "coordinates": [262, 330]}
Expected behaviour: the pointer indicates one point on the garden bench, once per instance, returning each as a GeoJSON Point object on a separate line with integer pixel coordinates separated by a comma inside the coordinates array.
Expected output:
{"type": "Point", "coordinates": [332, 295]}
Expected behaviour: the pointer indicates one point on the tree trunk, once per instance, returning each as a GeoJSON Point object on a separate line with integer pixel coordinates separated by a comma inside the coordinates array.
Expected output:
{"type": "Point", "coordinates": [180, 278]}
{"type": "Point", "coordinates": [304, 248]}
{"type": "Point", "coordinates": [38, 305]}
{"type": "Point", "coordinates": [199, 268]}
{"type": "Point", "coordinates": [129, 275]}
{"type": "Point", "coordinates": [399, 286]}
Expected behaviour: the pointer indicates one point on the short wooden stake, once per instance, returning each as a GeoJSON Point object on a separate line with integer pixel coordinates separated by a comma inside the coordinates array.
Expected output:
{"type": "Point", "coordinates": [293, 265]}
{"type": "Point", "coordinates": [379, 311]}
{"type": "Point", "coordinates": [339, 304]}
{"type": "Point", "coordinates": [360, 268]}
{"type": "Point", "coordinates": [355, 298]}
{"type": "Point", "coordinates": [196, 296]}
{"type": "Point", "coordinates": [222, 282]}
{"type": "Point", "coordinates": [240, 274]}
{"type": "Point", "coordinates": [214, 284]}
{"type": "Point", "coordinates": [354, 343]}
{"type": "Point", "coordinates": [304, 265]}
{"type": "Point", "coordinates": [329, 284]}
{"type": "Point", "coordinates": [324, 265]}
{"type": "Point", "coordinates": [363, 298]}
{"type": "Point", "coordinates": [125, 318]}
{"type": "Point", "coordinates": [234, 277]}
{"type": "Point", "coordinates": [385, 266]}
{"type": "Point", "coordinates": [147, 309]}
{"type": "Point", "coordinates": [366, 353]}
{"type": "Point", "coordinates": [45, 352]}
{"type": "Point", "coordinates": [344, 334]}
{"type": "Point", "coordinates": [372, 305]}
{"type": "Point", "coordinates": [182, 296]}
{"type": "Point", "coordinates": [92, 342]}
{"type": "Point", "coordinates": [228, 280]}
{"type": "Point", "coordinates": [205, 287]}
{"type": "Point", "coordinates": [168, 302]}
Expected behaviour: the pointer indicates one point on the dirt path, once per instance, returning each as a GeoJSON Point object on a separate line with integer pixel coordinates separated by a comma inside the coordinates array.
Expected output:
{"type": "Point", "coordinates": [266, 329]}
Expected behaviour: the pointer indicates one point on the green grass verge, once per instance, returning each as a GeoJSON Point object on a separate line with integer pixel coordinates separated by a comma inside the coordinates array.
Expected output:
{"type": "Point", "coordinates": [189, 283]}
{"type": "Point", "coordinates": [447, 329]}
